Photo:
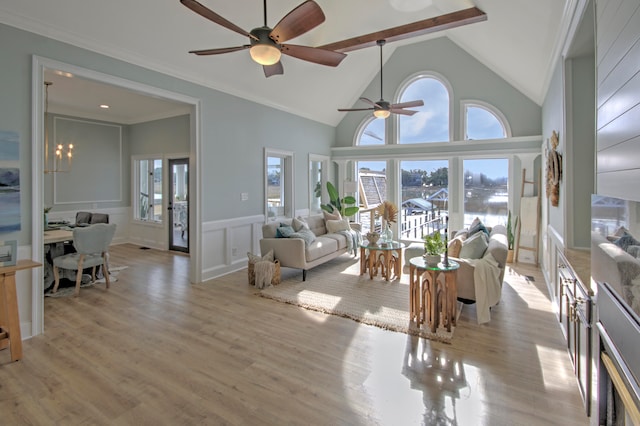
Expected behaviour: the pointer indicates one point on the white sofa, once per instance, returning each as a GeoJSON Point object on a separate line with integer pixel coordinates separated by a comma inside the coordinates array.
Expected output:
{"type": "Point", "coordinates": [296, 253]}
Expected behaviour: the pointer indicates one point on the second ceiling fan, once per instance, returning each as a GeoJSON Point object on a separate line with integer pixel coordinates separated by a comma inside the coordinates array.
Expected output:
{"type": "Point", "coordinates": [382, 108]}
{"type": "Point", "coordinates": [266, 44]}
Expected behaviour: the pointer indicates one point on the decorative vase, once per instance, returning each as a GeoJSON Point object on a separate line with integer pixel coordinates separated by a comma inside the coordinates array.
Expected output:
{"type": "Point", "coordinates": [510, 256]}
{"type": "Point", "coordinates": [387, 233]}
{"type": "Point", "coordinates": [373, 237]}
{"type": "Point", "coordinates": [46, 221]}
{"type": "Point", "coordinates": [432, 260]}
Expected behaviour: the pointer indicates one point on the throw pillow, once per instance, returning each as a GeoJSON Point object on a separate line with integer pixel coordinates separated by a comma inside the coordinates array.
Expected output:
{"type": "Point", "coordinates": [477, 226]}
{"type": "Point", "coordinates": [255, 258]}
{"type": "Point", "coordinates": [298, 224]}
{"type": "Point", "coordinates": [474, 246]}
{"type": "Point", "coordinates": [334, 226]}
{"type": "Point", "coordinates": [334, 215]}
{"type": "Point", "coordinates": [454, 248]}
{"type": "Point", "coordinates": [625, 241]}
{"type": "Point", "coordinates": [306, 235]}
{"type": "Point", "coordinates": [284, 231]}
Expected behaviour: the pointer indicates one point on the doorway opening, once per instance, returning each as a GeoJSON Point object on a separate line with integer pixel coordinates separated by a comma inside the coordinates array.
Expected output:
{"type": "Point", "coordinates": [179, 204]}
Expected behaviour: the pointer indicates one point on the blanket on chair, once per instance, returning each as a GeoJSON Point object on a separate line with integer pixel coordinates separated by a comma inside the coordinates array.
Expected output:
{"type": "Point", "coordinates": [486, 276]}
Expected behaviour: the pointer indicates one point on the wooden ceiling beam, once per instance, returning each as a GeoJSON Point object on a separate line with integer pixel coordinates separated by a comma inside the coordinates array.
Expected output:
{"type": "Point", "coordinates": [415, 29]}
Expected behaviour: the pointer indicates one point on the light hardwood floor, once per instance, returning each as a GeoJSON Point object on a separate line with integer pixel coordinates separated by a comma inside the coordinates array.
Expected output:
{"type": "Point", "coordinates": [155, 349]}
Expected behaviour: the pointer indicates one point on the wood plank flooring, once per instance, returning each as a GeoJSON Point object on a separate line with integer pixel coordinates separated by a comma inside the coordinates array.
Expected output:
{"type": "Point", "coordinates": [156, 350]}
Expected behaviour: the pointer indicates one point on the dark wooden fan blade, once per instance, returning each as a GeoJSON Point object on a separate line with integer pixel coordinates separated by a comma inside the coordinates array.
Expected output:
{"type": "Point", "coordinates": [409, 104]}
{"type": "Point", "coordinates": [274, 69]}
{"type": "Point", "coordinates": [205, 52]}
{"type": "Point", "coordinates": [313, 54]}
{"type": "Point", "coordinates": [402, 111]}
{"type": "Point", "coordinates": [438, 23]}
{"type": "Point", "coordinates": [303, 18]}
{"type": "Point", "coordinates": [370, 102]}
{"type": "Point", "coordinates": [205, 12]}
{"type": "Point", "coordinates": [355, 109]}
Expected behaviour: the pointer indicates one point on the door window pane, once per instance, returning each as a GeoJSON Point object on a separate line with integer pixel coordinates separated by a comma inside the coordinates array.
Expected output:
{"type": "Point", "coordinates": [148, 190]}
{"type": "Point", "coordinates": [486, 191]}
{"type": "Point", "coordinates": [372, 178]}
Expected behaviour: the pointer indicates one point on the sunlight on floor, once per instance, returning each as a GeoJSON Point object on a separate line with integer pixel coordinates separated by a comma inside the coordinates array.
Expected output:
{"type": "Point", "coordinates": [553, 378]}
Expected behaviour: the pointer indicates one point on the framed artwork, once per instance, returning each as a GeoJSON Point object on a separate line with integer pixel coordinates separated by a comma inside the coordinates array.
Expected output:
{"type": "Point", "coordinates": [9, 181]}
{"type": "Point", "coordinates": [8, 252]}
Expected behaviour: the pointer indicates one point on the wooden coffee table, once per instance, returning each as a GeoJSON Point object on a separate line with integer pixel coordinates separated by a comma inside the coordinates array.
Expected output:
{"type": "Point", "coordinates": [381, 257]}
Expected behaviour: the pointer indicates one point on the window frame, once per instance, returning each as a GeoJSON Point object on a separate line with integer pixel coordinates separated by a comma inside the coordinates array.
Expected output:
{"type": "Point", "coordinates": [402, 87]}
{"type": "Point", "coordinates": [287, 189]}
{"type": "Point", "coordinates": [465, 104]}
{"type": "Point", "coordinates": [136, 190]}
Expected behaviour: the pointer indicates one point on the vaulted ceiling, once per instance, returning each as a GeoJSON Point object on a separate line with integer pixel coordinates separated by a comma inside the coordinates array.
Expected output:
{"type": "Point", "coordinates": [518, 41]}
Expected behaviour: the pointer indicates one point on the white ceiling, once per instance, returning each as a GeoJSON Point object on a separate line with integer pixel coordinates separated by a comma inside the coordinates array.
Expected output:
{"type": "Point", "coordinates": [518, 41]}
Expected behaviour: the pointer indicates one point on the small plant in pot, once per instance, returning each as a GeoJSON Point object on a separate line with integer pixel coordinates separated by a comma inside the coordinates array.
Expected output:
{"type": "Point", "coordinates": [434, 246]}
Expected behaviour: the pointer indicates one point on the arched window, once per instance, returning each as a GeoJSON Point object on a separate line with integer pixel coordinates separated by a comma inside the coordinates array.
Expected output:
{"type": "Point", "coordinates": [432, 123]}
{"type": "Point", "coordinates": [372, 132]}
{"type": "Point", "coordinates": [483, 121]}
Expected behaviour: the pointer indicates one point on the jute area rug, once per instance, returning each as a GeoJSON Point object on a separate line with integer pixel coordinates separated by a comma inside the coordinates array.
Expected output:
{"type": "Point", "coordinates": [68, 291]}
{"type": "Point", "coordinates": [337, 288]}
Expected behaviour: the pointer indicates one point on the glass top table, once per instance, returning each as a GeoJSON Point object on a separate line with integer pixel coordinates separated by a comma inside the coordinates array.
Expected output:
{"type": "Point", "coordinates": [382, 258]}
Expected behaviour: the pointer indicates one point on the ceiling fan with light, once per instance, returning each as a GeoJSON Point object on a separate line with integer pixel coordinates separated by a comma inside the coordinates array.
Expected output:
{"type": "Point", "coordinates": [382, 108]}
{"type": "Point", "coordinates": [266, 44]}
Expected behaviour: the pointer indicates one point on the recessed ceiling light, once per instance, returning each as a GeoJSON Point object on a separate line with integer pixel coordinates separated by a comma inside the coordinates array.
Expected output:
{"type": "Point", "coordinates": [104, 106]}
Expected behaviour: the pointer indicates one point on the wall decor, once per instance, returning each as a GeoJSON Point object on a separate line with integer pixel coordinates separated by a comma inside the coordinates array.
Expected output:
{"type": "Point", "coordinates": [554, 169]}
{"type": "Point", "coordinates": [9, 181]}
{"type": "Point", "coordinates": [8, 253]}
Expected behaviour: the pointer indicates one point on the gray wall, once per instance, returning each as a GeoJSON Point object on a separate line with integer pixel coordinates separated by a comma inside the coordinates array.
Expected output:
{"type": "Point", "coordinates": [469, 78]}
{"type": "Point", "coordinates": [100, 173]}
{"type": "Point", "coordinates": [234, 131]}
{"type": "Point", "coordinates": [166, 136]}
{"type": "Point", "coordinates": [618, 101]}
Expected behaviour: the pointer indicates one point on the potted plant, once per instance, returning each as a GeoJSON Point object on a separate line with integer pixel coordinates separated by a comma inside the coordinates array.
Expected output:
{"type": "Point", "coordinates": [434, 246]}
{"type": "Point", "coordinates": [46, 217]}
{"type": "Point", "coordinates": [511, 238]}
{"type": "Point", "coordinates": [343, 205]}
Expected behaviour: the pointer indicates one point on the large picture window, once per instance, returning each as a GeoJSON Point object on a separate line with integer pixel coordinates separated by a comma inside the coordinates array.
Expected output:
{"type": "Point", "coordinates": [486, 190]}
{"type": "Point", "coordinates": [432, 122]}
{"type": "Point", "coordinates": [148, 190]}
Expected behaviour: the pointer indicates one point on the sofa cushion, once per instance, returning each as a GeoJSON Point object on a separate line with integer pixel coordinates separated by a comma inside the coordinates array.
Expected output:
{"type": "Point", "coordinates": [316, 224]}
{"type": "Point", "coordinates": [334, 226]}
{"type": "Point", "coordinates": [340, 239]}
{"type": "Point", "coordinates": [306, 235]}
{"type": "Point", "coordinates": [269, 230]}
{"type": "Point", "coordinates": [477, 226]}
{"type": "Point", "coordinates": [625, 241]}
{"type": "Point", "coordinates": [284, 231]}
{"type": "Point", "coordinates": [322, 246]}
{"type": "Point", "coordinates": [474, 246]}
{"type": "Point", "coordinates": [334, 215]}
{"type": "Point", "coordinates": [455, 245]}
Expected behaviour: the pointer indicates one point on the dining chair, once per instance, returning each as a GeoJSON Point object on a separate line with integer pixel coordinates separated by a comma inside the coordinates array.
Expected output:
{"type": "Point", "coordinates": [92, 249]}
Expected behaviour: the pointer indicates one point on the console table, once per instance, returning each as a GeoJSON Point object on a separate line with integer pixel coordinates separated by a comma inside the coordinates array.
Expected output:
{"type": "Point", "coordinates": [10, 335]}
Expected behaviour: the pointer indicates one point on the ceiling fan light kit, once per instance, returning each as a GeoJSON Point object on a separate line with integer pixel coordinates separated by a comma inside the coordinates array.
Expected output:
{"type": "Point", "coordinates": [381, 113]}
{"type": "Point", "coordinates": [263, 50]}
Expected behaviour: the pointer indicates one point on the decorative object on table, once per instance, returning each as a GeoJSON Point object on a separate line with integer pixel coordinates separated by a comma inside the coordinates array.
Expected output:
{"type": "Point", "coordinates": [446, 242]}
{"type": "Point", "coordinates": [9, 181]}
{"type": "Point", "coordinates": [344, 205]}
{"type": "Point", "coordinates": [388, 212]}
{"type": "Point", "coordinates": [434, 246]}
{"type": "Point", "coordinates": [8, 252]}
{"type": "Point", "coordinates": [554, 170]}
{"type": "Point", "coordinates": [373, 237]}
{"type": "Point", "coordinates": [46, 217]}
{"type": "Point", "coordinates": [511, 236]}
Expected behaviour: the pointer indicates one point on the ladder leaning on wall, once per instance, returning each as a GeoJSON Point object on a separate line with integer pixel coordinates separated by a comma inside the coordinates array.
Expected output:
{"type": "Point", "coordinates": [529, 222]}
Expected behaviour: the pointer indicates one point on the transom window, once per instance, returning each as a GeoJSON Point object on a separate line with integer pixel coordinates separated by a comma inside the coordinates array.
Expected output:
{"type": "Point", "coordinates": [372, 132]}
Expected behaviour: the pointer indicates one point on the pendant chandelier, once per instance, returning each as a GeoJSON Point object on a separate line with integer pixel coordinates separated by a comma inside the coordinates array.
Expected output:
{"type": "Point", "coordinates": [58, 158]}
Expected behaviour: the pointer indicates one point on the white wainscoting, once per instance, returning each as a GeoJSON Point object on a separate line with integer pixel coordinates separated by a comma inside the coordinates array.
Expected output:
{"type": "Point", "coordinates": [225, 244]}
